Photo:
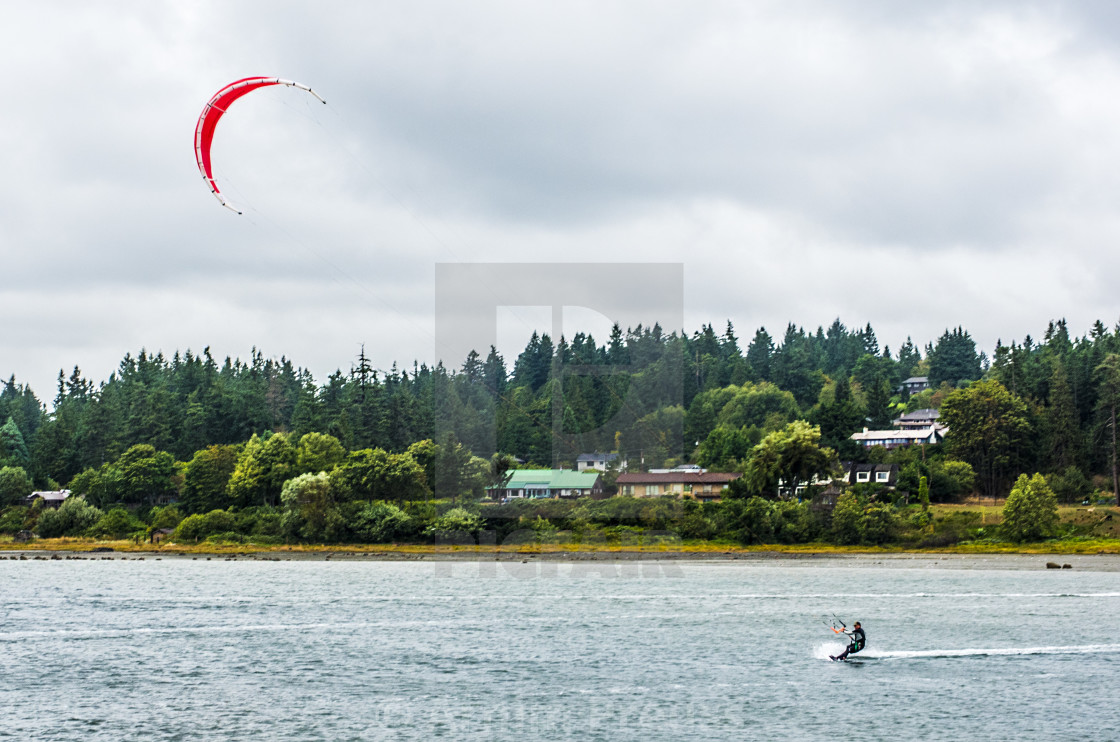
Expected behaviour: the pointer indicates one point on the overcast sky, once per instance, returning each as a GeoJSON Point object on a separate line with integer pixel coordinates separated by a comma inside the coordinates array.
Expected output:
{"type": "Point", "coordinates": [803, 161]}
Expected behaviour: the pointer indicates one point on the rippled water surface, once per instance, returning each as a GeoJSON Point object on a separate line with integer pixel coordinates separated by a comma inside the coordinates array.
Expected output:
{"type": "Point", "coordinates": [183, 649]}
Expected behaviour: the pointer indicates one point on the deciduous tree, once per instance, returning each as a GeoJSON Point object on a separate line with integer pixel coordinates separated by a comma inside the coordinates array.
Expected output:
{"type": "Point", "coordinates": [988, 428]}
{"type": "Point", "coordinates": [1031, 510]}
{"type": "Point", "coordinates": [789, 457]}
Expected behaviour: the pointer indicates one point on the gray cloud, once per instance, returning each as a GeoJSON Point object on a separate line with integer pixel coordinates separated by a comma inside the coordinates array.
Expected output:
{"type": "Point", "coordinates": [804, 160]}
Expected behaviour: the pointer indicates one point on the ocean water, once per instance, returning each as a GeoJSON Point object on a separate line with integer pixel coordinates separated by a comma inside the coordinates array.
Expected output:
{"type": "Point", "coordinates": [368, 650]}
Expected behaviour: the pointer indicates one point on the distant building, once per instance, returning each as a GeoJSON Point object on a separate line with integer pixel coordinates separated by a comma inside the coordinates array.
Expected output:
{"type": "Point", "coordinates": [598, 461]}
{"type": "Point", "coordinates": [884, 474]}
{"type": "Point", "coordinates": [918, 419]}
{"type": "Point", "coordinates": [160, 535]}
{"type": "Point", "coordinates": [693, 468]}
{"type": "Point", "coordinates": [545, 483]}
{"type": "Point", "coordinates": [51, 498]}
{"type": "Point", "coordinates": [914, 384]}
{"type": "Point", "coordinates": [701, 485]}
{"type": "Point", "coordinates": [899, 438]}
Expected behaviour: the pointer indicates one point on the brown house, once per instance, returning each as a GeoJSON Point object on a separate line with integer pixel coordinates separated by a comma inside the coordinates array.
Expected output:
{"type": "Point", "coordinates": [51, 499]}
{"type": "Point", "coordinates": [701, 485]}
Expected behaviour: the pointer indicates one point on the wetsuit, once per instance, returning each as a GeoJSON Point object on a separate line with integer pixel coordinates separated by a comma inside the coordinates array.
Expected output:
{"type": "Point", "coordinates": [858, 642]}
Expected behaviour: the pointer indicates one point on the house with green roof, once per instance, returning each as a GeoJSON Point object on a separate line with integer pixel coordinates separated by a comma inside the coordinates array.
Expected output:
{"type": "Point", "coordinates": [544, 483]}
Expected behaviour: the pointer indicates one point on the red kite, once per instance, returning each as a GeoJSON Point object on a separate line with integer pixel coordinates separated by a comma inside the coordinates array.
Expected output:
{"type": "Point", "coordinates": [213, 111]}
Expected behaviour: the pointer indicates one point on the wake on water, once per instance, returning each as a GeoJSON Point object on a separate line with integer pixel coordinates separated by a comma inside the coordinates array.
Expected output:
{"type": "Point", "coordinates": [827, 650]}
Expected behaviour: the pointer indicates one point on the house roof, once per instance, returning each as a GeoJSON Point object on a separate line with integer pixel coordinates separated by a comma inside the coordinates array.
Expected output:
{"type": "Point", "coordinates": [551, 479]}
{"type": "Point", "coordinates": [917, 380]}
{"type": "Point", "coordinates": [913, 434]}
{"type": "Point", "coordinates": [51, 496]}
{"type": "Point", "coordinates": [597, 457]}
{"type": "Point", "coordinates": [927, 414]}
{"type": "Point", "coordinates": [673, 477]}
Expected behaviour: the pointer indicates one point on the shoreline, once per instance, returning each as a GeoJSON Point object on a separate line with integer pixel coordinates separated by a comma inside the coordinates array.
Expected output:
{"type": "Point", "coordinates": [1092, 562]}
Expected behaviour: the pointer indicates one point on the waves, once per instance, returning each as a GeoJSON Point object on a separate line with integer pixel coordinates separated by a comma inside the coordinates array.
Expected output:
{"type": "Point", "coordinates": [824, 651]}
{"type": "Point", "coordinates": [82, 634]}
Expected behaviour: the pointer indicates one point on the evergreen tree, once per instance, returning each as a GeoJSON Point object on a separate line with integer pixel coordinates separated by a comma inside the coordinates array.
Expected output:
{"type": "Point", "coordinates": [735, 368]}
{"type": "Point", "coordinates": [1062, 425]}
{"type": "Point", "coordinates": [13, 449]}
{"type": "Point", "coordinates": [760, 354]}
{"type": "Point", "coordinates": [838, 419]}
{"type": "Point", "coordinates": [953, 359]}
{"type": "Point", "coordinates": [1108, 378]}
{"type": "Point", "coordinates": [908, 359]}
{"type": "Point", "coordinates": [15, 485]}
{"type": "Point", "coordinates": [878, 405]}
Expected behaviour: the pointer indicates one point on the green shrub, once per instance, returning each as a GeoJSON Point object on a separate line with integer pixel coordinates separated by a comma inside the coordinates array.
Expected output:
{"type": "Point", "coordinates": [168, 517]}
{"type": "Point", "coordinates": [203, 525]}
{"type": "Point", "coordinates": [1071, 485]}
{"type": "Point", "coordinates": [920, 519]}
{"type": "Point", "coordinates": [74, 517]}
{"type": "Point", "coordinates": [454, 522]}
{"type": "Point", "coordinates": [544, 529]}
{"type": "Point", "coordinates": [877, 524]}
{"type": "Point", "coordinates": [846, 519]}
{"type": "Point", "coordinates": [697, 525]}
{"type": "Point", "coordinates": [756, 524]}
{"type": "Point", "coordinates": [15, 485]}
{"type": "Point", "coordinates": [117, 523]}
{"type": "Point", "coordinates": [380, 523]}
{"type": "Point", "coordinates": [1031, 510]}
{"type": "Point", "coordinates": [793, 522]}
{"type": "Point", "coordinates": [267, 525]}
{"type": "Point", "coordinates": [13, 519]}
{"type": "Point", "coordinates": [952, 480]}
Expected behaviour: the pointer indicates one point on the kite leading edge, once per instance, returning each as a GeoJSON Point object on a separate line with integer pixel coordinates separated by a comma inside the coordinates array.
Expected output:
{"type": "Point", "coordinates": [213, 111]}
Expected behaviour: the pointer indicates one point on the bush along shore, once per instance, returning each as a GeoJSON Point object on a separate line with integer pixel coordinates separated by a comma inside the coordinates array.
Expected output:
{"type": "Point", "coordinates": [1029, 521]}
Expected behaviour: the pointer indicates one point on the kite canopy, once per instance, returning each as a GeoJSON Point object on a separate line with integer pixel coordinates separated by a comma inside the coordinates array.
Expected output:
{"type": "Point", "coordinates": [213, 111]}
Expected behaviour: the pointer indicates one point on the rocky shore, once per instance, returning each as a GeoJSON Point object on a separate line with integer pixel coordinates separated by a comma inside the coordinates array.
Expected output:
{"type": "Point", "coordinates": [899, 560]}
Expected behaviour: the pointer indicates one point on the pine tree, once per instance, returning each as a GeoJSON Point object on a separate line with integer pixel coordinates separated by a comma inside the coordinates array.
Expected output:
{"type": "Point", "coordinates": [908, 358]}
{"type": "Point", "coordinates": [878, 404]}
{"type": "Point", "coordinates": [13, 449]}
{"type": "Point", "coordinates": [1108, 379]}
{"type": "Point", "coordinates": [953, 359]}
{"type": "Point", "coordinates": [839, 419]}
{"type": "Point", "coordinates": [1062, 422]}
{"type": "Point", "coordinates": [760, 354]}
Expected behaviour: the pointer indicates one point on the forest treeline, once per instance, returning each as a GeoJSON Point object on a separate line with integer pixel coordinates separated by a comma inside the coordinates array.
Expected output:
{"type": "Point", "coordinates": [658, 398]}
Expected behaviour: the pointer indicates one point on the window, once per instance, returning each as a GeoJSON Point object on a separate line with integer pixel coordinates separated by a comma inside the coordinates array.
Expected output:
{"type": "Point", "coordinates": [688, 488]}
{"type": "Point", "coordinates": [882, 476]}
{"type": "Point", "coordinates": [863, 476]}
{"type": "Point", "coordinates": [653, 489]}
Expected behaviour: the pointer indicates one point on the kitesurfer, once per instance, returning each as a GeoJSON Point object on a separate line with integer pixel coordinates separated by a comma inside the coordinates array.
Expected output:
{"type": "Point", "coordinates": [858, 641]}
